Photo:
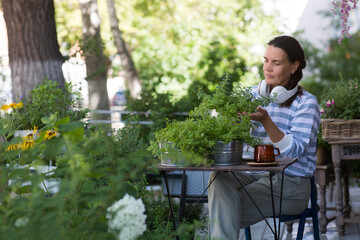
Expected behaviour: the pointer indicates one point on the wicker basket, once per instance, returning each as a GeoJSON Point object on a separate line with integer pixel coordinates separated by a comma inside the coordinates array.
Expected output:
{"type": "Point", "coordinates": [340, 129]}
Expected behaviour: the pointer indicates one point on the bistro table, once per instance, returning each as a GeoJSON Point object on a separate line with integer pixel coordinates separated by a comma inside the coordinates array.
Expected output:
{"type": "Point", "coordinates": [280, 166]}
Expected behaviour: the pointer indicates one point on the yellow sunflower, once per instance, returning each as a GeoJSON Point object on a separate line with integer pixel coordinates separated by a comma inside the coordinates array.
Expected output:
{"type": "Point", "coordinates": [12, 147]}
{"type": "Point", "coordinates": [50, 134]}
{"type": "Point", "coordinates": [19, 105]}
{"type": "Point", "coordinates": [12, 105]}
{"type": "Point", "coordinates": [31, 134]}
{"type": "Point", "coordinates": [27, 144]}
{"type": "Point", "coordinates": [5, 107]}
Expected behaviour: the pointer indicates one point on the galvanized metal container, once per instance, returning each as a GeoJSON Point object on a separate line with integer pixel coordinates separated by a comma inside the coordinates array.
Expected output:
{"type": "Point", "coordinates": [227, 154]}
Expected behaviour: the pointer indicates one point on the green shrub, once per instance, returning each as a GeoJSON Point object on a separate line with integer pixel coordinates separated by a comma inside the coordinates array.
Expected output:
{"type": "Point", "coordinates": [95, 167]}
{"type": "Point", "coordinates": [46, 99]}
{"type": "Point", "coordinates": [341, 100]}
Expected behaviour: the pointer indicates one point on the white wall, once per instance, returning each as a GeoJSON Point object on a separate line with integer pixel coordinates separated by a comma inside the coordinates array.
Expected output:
{"type": "Point", "coordinates": [317, 28]}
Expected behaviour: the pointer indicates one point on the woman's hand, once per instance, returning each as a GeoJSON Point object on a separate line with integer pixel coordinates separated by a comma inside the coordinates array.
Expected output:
{"type": "Point", "coordinates": [260, 115]}
{"type": "Point", "coordinates": [263, 117]}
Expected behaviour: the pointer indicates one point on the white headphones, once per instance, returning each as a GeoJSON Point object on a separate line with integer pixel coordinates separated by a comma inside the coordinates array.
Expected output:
{"type": "Point", "coordinates": [281, 93]}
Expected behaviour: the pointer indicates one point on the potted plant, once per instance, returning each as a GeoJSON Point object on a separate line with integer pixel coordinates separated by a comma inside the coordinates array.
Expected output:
{"type": "Point", "coordinates": [215, 121]}
{"type": "Point", "coordinates": [340, 110]}
{"type": "Point", "coordinates": [340, 113]}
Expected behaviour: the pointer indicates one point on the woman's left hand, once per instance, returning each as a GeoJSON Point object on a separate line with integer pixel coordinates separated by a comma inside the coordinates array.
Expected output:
{"type": "Point", "coordinates": [260, 115]}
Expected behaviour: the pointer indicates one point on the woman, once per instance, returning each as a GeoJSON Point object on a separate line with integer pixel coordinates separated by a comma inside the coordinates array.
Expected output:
{"type": "Point", "coordinates": [291, 124]}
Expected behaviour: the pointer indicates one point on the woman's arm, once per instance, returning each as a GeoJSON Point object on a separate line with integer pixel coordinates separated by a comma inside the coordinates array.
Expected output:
{"type": "Point", "coordinates": [272, 130]}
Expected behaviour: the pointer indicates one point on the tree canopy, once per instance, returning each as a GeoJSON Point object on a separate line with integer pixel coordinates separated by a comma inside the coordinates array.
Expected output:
{"type": "Point", "coordinates": [174, 43]}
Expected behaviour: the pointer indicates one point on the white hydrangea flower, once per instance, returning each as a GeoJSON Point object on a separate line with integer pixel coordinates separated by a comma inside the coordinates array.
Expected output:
{"type": "Point", "coordinates": [126, 218]}
{"type": "Point", "coordinates": [21, 222]}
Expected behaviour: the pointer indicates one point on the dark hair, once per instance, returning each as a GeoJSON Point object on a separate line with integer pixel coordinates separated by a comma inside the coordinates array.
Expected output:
{"type": "Point", "coordinates": [294, 53]}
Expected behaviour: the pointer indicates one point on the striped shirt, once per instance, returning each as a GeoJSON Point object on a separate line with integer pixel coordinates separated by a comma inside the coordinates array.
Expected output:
{"type": "Point", "coordinates": [300, 123]}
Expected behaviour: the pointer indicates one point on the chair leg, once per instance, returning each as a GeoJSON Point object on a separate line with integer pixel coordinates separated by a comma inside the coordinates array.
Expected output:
{"type": "Point", "coordinates": [301, 227]}
{"type": "Point", "coordinates": [314, 210]}
{"type": "Point", "coordinates": [316, 228]}
{"type": "Point", "coordinates": [247, 233]}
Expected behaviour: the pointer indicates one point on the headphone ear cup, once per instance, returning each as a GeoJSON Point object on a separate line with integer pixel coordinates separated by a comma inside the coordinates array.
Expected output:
{"type": "Point", "coordinates": [281, 94]}
{"type": "Point", "coordinates": [262, 89]}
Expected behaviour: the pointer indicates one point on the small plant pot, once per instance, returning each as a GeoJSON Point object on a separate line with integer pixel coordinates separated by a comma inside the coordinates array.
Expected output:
{"type": "Point", "coordinates": [227, 154]}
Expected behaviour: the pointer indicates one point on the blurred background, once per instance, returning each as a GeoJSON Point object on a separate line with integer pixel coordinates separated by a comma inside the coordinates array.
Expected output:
{"type": "Point", "coordinates": [179, 48]}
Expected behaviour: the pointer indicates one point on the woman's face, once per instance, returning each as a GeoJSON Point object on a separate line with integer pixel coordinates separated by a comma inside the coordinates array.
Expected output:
{"type": "Point", "coordinates": [277, 67]}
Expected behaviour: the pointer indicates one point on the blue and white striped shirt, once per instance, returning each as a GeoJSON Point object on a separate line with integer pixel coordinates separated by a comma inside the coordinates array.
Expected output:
{"type": "Point", "coordinates": [300, 123]}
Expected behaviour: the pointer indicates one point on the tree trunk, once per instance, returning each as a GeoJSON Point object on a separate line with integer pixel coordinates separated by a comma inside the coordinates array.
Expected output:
{"type": "Point", "coordinates": [131, 77]}
{"type": "Point", "coordinates": [33, 47]}
{"type": "Point", "coordinates": [95, 60]}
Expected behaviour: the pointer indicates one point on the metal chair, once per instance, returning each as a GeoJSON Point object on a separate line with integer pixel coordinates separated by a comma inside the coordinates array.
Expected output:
{"type": "Point", "coordinates": [311, 211]}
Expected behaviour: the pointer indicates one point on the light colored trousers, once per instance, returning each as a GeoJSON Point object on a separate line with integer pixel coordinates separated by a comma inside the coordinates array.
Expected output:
{"type": "Point", "coordinates": [230, 208]}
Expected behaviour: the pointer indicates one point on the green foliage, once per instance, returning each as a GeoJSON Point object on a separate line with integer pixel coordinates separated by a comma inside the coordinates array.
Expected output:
{"type": "Point", "coordinates": [159, 106]}
{"type": "Point", "coordinates": [342, 100]}
{"type": "Point", "coordinates": [198, 134]}
{"type": "Point", "coordinates": [191, 48]}
{"type": "Point", "coordinates": [174, 44]}
{"type": "Point", "coordinates": [78, 209]}
{"type": "Point", "coordinates": [220, 59]}
{"type": "Point", "coordinates": [344, 58]}
{"type": "Point", "coordinates": [94, 168]}
{"type": "Point", "coordinates": [68, 24]}
{"type": "Point", "coordinates": [46, 99]}
{"type": "Point", "coordinates": [326, 65]}
{"type": "Point", "coordinates": [158, 226]}
{"type": "Point", "coordinates": [178, 48]}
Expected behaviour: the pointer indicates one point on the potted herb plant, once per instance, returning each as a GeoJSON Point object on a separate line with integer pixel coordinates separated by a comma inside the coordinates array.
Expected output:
{"type": "Point", "coordinates": [214, 122]}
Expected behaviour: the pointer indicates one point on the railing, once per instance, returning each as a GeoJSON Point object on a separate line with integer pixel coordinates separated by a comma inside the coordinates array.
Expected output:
{"type": "Point", "coordinates": [117, 116]}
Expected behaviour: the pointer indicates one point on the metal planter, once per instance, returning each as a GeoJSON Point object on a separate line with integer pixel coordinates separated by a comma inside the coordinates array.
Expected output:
{"type": "Point", "coordinates": [227, 154]}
